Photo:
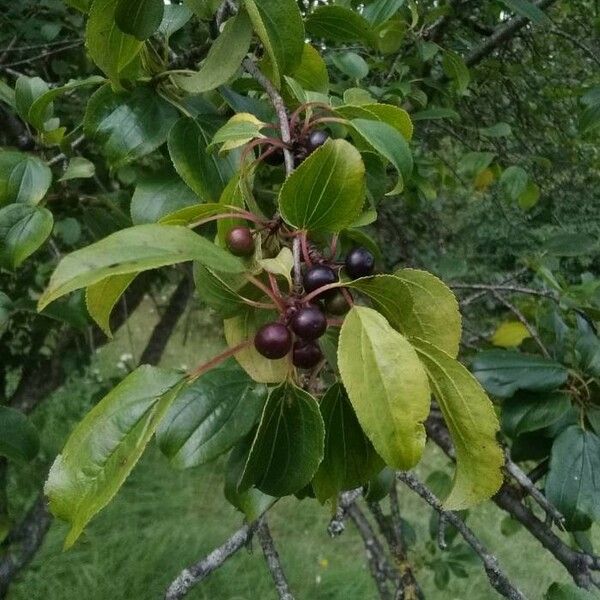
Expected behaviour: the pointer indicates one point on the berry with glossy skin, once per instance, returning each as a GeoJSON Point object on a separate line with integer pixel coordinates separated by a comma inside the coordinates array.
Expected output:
{"type": "Point", "coordinates": [318, 276]}
{"type": "Point", "coordinates": [336, 304]}
{"type": "Point", "coordinates": [316, 139]}
{"type": "Point", "coordinates": [273, 340]}
{"type": "Point", "coordinates": [359, 263]}
{"type": "Point", "coordinates": [306, 355]}
{"type": "Point", "coordinates": [240, 241]}
{"type": "Point", "coordinates": [309, 323]}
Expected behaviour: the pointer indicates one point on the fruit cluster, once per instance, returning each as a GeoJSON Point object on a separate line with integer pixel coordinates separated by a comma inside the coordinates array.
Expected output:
{"type": "Point", "coordinates": [303, 145]}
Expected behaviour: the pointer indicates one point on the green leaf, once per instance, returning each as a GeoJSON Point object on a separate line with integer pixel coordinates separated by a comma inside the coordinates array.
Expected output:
{"type": "Point", "coordinates": [326, 192]}
{"type": "Point", "coordinates": [23, 229]}
{"type": "Point", "coordinates": [101, 298]}
{"type": "Point", "coordinates": [128, 126]}
{"type": "Point", "coordinates": [288, 445]}
{"type": "Point", "coordinates": [190, 215]}
{"type": "Point", "coordinates": [339, 24]}
{"type": "Point", "coordinates": [530, 196]}
{"type": "Point", "coordinates": [174, 18]}
{"type": "Point", "coordinates": [251, 502]}
{"type": "Point", "coordinates": [140, 18]}
{"type": "Point", "coordinates": [282, 264]}
{"type": "Point", "coordinates": [513, 182]}
{"type": "Point", "coordinates": [510, 334]}
{"type": "Point", "coordinates": [312, 73]}
{"type": "Point", "coordinates": [279, 25]}
{"type": "Point", "coordinates": [567, 591]}
{"type": "Point", "coordinates": [243, 327]}
{"type": "Point", "coordinates": [349, 459]}
{"type": "Point", "coordinates": [78, 168]}
{"type": "Point", "coordinates": [40, 109]}
{"type": "Point", "coordinates": [473, 426]}
{"type": "Point", "coordinates": [435, 113]}
{"type": "Point", "coordinates": [133, 250]}
{"type": "Point", "coordinates": [527, 411]}
{"type": "Point", "coordinates": [224, 57]}
{"type": "Point", "coordinates": [394, 116]}
{"type": "Point", "coordinates": [381, 10]}
{"type": "Point", "coordinates": [239, 130]}
{"type": "Point", "coordinates": [204, 172]}
{"type": "Point", "coordinates": [571, 244]}
{"type": "Point", "coordinates": [103, 449]}
{"type": "Point", "coordinates": [496, 131]}
{"type": "Point", "coordinates": [529, 10]}
{"type": "Point", "coordinates": [18, 437]}
{"type": "Point", "coordinates": [589, 121]}
{"type": "Point", "coordinates": [159, 195]}
{"type": "Point", "coordinates": [502, 372]}
{"type": "Point", "coordinates": [27, 91]}
{"type": "Point", "coordinates": [351, 64]}
{"type": "Point", "coordinates": [210, 416]}
{"type": "Point", "coordinates": [111, 49]}
{"type": "Point", "coordinates": [234, 194]}
{"type": "Point", "coordinates": [387, 386]}
{"type": "Point", "coordinates": [572, 484]}
{"type": "Point", "coordinates": [456, 70]}
{"type": "Point", "coordinates": [28, 181]}
{"type": "Point", "coordinates": [390, 144]}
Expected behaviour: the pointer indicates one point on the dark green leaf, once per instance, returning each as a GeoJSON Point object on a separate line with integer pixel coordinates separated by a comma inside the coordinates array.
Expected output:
{"type": "Point", "coordinates": [529, 10]}
{"type": "Point", "coordinates": [502, 372]}
{"type": "Point", "coordinates": [288, 445]}
{"type": "Point", "coordinates": [381, 10]}
{"type": "Point", "coordinates": [339, 24]}
{"type": "Point", "coordinates": [140, 18]}
{"type": "Point", "coordinates": [567, 591]}
{"type": "Point", "coordinates": [210, 416]}
{"type": "Point", "coordinates": [18, 437]}
{"type": "Point", "coordinates": [174, 18]}
{"type": "Point", "coordinates": [571, 244]}
{"type": "Point", "coordinates": [28, 181]}
{"type": "Point", "coordinates": [527, 411]}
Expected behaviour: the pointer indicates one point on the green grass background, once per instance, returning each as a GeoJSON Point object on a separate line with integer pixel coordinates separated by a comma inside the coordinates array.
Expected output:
{"type": "Point", "coordinates": [163, 519]}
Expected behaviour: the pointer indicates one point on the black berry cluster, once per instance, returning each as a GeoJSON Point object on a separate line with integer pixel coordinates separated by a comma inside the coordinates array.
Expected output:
{"type": "Point", "coordinates": [302, 146]}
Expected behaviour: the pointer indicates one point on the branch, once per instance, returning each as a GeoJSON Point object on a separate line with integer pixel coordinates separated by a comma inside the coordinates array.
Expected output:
{"type": "Point", "coordinates": [336, 525]}
{"type": "Point", "coordinates": [273, 561]}
{"type": "Point", "coordinates": [197, 572]}
{"type": "Point", "coordinates": [516, 289]}
{"type": "Point", "coordinates": [502, 34]}
{"type": "Point", "coordinates": [498, 580]}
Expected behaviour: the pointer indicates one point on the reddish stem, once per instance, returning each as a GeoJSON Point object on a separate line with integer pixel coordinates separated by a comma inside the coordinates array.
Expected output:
{"type": "Point", "coordinates": [321, 290]}
{"type": "Point", "coordinates": [333, 245]}
{"type": "Point", "coordinates": [305, 252]}
{"type": "Point", "coordinates": [261, 286]}
{"type": "Point", "coordinates": [274, 285]}
{"type": "Point", "coordinates": [348, 297]}
{"type": "Point", "coordinates": [217, 360]}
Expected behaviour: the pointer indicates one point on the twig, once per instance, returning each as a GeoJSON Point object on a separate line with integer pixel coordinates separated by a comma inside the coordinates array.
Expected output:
{"type": "Point", "coordinates": [577, 42]}
{"type": "Point", "coordinates": [42, 55]}
{"type": "Point", "coordinates": [530, 328]}
{"type": "Point", "coordinates": [217, 360]}
{"type": "Point", "coordinates": [498, 580]}
{"type": "Point", "coordinates": [60, 157]}
{"type": "Point", "coordinates": [526, 483]}
{"type": "Point", "coordinates": [517, 289]}
{"type": "Point", "coordinates": [336, 525]}
{"type": "Point", "coordinates": [197, 572]}
{"type": "Point", "coordinates": [273, 561]}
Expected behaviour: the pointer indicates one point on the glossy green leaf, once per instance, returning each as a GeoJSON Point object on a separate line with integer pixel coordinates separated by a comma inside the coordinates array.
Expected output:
{"type": "Point", "coordinates": [78, 168]}
{"type": "Point", "coordinates": [101, 298]}
{"type": "Point", "coordinates": [282, 264]}
{"type": "Point", "coordinates": [111, 49]}
{"type": "Point", "coordinates": [349, 459]}
{"type": "Point", "coordinates": [239, 130]}
{"type": "Point", "coordinates": [133, 250]}
{"type": "Point", "coordinates": [381, 10]}
{"type": "Point", "coordinates": [139, 18]}
{"type": "Point", "coordinates": [105, 446]}
{"type": "Point", "coordinates": [572, 484]}
{"type": "Point", "coordinates": [18, 437]}
{"type": "Point", "coordinates": [23, 229]}
{"type": "Point", "coordinates": [502, 372]}
{"type": "Point", "coordinates": [339, 24]}
{"type": "Point", "coordinates": [174, 18]}
{"type": "Point", "coordinates": [243, 327]}
{"type": "Point", "coordinates": [513, 182]}
{"type": "Point", "coordinates": [473, 426]}
{"type": "Point", "coordinates": [129, 125]}
{"type": "Point", "coordinates": [28, 181]}
{"type": "Point", "coordinates": [190, 215]}
{"type": "Point", "coordinates": [203, 171]}
{"type": "Point", "coordinates": [390, 144]}
{"type": "Point", "coordinates": [529, 10]}
{"type": "Point", "coordinates": [567, 591]}
{"type": "Point", "coordinates": [27, 91]}
{"type": "Point", "coordinates": [326, 192]}
{"type": "Point", "coordinates": [279, 25]}
{"type": "Point", "coordinates": [210, 416]}
{"type": "Point", "coordinates": [394, 116]}
{"type": "Point", "coordinates": [288, 445]}
{"type": "Point", "coordinates": [40, 108]}
{"type": "Point", "coordinates": [456, 69]}
{"type": "Point", "coordinates": [159, 195]}
{"type": "Point", "coordinates": [351, 64]}
{"type": "Point", "coordinates": [527, 411]}
{"type": "Point", "coordinates": [387, 386]}
{"type": "Point", "coordinates": [312, 73]}
{"type": "Point", "coordinates": [224, 57]}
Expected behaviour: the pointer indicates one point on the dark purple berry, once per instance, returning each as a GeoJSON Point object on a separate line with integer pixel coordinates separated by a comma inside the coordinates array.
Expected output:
{"type": "Point", "coordinates": [309, 323]}
{"type": "Point", "coordinates": [316, 139]}
{"type": "Point", "coordinates": [306, 355]}
{"type": "Point", "coordinates": [336, 304]}
{"type": "Point", "coordinates": [318, 276]}
{"type": "Point", "coordinates": [273, 340]}
{"type": "Point", "coordinates": [240, 241]}
{"type": "Point", "coordinates": [275, 158]}
{"type": "Point", "coordinates": [359, 263]}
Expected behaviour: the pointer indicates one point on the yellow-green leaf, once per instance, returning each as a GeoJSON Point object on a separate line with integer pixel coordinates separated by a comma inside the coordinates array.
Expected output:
{"type": "Point", "coordinates": [473, 425]}
{"type": "Point", "coordinates": [387, 386]}
{"type": "Point", "coordinates": [510, 334]}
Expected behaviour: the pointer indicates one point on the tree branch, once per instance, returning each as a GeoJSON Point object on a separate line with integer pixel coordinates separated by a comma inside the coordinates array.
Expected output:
{"type": "Point", "coordinates": [197, 572]}
{"type": "Point", "coordinates": [498, 580]}
{"type": "Point", "coordinates": [273, 561]}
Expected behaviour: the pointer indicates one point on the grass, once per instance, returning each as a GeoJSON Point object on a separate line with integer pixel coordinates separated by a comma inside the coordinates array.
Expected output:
{"type": "Point", "coordinates": [163, 519]}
